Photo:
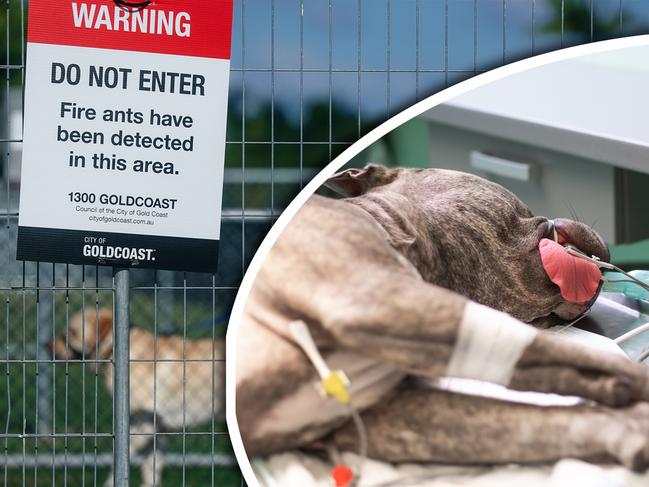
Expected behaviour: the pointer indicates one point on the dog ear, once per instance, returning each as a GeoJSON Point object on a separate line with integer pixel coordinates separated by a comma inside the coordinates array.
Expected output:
{"type": "Point", "coordinates": [356, 181]}
{"type": "Point", "coordinates": [105, 326]}
{"type": "Point", "coordinates": [105, 322]}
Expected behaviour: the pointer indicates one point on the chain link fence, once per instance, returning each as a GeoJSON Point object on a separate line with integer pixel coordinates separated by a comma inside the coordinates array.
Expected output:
{"type": "Point", "coordinates": [308, 77]}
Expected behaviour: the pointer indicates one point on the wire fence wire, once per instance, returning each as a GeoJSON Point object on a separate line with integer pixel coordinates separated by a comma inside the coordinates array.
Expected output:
{"type": "Point", "coordinates": [307, 79]}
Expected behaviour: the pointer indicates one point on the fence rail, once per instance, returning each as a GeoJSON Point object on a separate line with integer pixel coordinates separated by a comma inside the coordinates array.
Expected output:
{"type": "Point", "coordinates": [106, 460]}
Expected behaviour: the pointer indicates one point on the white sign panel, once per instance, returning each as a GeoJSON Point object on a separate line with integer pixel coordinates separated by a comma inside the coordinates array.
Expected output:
{"type": "Point", "coordinates": [124, 139]}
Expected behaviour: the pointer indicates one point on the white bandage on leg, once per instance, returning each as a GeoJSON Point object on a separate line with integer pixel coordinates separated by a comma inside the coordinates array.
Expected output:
{"type": "Point", "coordinates": [488, 345]}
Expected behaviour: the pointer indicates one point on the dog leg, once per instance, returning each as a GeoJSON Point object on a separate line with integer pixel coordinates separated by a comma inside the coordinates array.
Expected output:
{"type": "Point", "coordinates": [150, 474]}
{"type": "Point", "coordinates": [423, 425]}
{"type": "Point", "coordinates": [151, 469]}
{"type": "Point", "coordinates": [141, 438]}
{"type": "Point", "coordinates": [415, 328]}
{"type": "Point", "coordinates": [110, 482]}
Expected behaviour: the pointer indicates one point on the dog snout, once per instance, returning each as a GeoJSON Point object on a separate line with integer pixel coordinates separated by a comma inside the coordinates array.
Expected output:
{"type": "Point", "coordinates": [61, 351]}
{"type": "Point", "coordinates": [582, 237]}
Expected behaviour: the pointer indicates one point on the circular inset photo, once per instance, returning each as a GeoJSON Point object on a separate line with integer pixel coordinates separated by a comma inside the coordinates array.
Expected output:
{"type": "Point", "coordinates": [461, 291]}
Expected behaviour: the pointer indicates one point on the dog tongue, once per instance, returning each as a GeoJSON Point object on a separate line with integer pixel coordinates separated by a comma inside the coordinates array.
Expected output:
{"type": "Point", "coordinates": [578, 279]}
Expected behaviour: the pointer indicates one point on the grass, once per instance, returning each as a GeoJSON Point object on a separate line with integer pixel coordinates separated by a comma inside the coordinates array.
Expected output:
{"type": "Point", "coordinates": [78, 477]}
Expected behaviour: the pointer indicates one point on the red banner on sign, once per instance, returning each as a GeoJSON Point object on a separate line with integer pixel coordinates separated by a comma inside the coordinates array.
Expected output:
{"type": "Point", "coordinates": [201, 28]}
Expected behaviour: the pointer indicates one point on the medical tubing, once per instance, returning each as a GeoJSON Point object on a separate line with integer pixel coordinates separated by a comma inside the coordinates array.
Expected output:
{"type": "Point", "coordinates": [635, 280]}
{"type": "Point", "coordinates": [643, 356]}
{"type": "Point", "coordinates": [302, 337]}
{"type": "Point", "coordinates": [362, 436]}
{"type": "Point", "coordinates": [606, 265]}
{"type": "Point", "coordinates": [630, 334]}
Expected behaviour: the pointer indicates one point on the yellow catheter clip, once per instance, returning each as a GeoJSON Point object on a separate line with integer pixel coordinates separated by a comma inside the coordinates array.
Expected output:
{"type": "Point", "coordinates": [334, 383]}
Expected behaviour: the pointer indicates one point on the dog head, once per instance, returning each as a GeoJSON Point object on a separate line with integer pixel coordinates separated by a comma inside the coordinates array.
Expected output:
{"type": "Point", "coordinates": [470, 235]}
{"type": "Point", "coordinates": [88, 335]}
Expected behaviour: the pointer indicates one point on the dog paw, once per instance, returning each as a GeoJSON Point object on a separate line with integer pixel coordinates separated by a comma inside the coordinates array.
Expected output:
{"type": "Point", "coordinates": [563, 366]}
{"type": "Point", "coordinates": [630, 443]}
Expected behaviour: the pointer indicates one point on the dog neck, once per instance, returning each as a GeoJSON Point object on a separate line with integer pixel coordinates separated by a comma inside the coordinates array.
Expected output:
{"type": "Point", "coordinates": [406, 227]}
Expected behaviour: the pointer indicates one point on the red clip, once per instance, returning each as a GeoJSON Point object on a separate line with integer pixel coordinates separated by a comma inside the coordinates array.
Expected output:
{"type": "Point", "coordinates": [342, 475]}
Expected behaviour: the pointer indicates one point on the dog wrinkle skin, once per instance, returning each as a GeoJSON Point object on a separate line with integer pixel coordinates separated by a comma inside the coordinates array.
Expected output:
{"type": "Point", "coordinates": [383, 275]}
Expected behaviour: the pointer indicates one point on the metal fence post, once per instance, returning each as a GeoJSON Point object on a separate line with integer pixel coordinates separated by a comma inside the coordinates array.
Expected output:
{"type": "Point", "coordinates": [43, 335]}
{"type": "Point", "coordinates": [121, 386]}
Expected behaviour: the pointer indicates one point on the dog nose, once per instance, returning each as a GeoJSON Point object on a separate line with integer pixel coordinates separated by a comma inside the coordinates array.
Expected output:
{"type": "Point", "coordinates": [582, 237]}
{"type": "Point", "coordinates": [50, 345]}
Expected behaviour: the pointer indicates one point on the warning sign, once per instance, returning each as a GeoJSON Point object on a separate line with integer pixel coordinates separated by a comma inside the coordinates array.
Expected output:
{"type": "Point", "coordinates": [124, 139]}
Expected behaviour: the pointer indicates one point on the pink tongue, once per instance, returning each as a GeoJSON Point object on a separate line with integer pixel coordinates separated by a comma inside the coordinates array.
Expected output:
{"type": "Point", "coordinates": [578, 279]}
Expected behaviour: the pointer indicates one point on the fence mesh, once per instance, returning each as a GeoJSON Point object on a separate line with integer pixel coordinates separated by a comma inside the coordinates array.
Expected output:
{"type": "Point", "coordinates": [308, 77]}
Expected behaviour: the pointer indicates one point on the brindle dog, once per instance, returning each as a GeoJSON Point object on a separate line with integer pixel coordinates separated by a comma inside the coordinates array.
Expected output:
{"type": "Point", "coordinates": [382, 278]}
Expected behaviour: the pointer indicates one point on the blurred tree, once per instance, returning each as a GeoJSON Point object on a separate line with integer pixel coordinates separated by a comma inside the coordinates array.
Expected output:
{"type": "Point", "coordinates": [13, 23]}
{"type": "Point", "coordinates": [309, 157]}
{"type": "Point", "coordinates": [575, 17]}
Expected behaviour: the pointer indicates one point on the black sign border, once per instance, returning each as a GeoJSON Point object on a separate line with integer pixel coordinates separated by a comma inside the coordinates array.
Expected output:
{"type": "Point", "coordinates": [67, 247]}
